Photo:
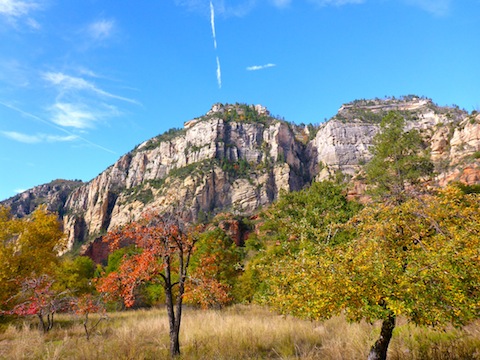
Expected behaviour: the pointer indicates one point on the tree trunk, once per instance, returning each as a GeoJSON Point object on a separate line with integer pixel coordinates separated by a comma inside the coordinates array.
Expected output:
{"type": "Point", "coordinates": [172, 322]}
{"type": "Point", "coordinates": [175, 334]}
{"type": "Point", "coordinates": [174, 342]}
{"type": "Point", "coordinates": [379, 350]}
{"type": "Point", "coordinates": [174, 328]}
{"type": "Point", "coordinates": [42, 326]}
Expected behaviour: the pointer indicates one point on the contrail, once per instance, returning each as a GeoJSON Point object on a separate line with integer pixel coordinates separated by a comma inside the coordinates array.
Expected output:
{"type": "Point", "coordinates": [219, 74]}
{"type": "Point", "coordinates": [212, 22]}
{"type": "Point", "coordinates": [260, 67]}
{"type": "Point", "coordinates": [27, 114]}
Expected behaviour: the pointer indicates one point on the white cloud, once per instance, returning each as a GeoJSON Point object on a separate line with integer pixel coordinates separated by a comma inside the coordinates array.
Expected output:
{"type": "Point", "coordinates": [34, 24]}
{"type": "Point", "coordinates": [224, 7]}
{"type": "Point", "coordinates": [56, 138]}
{"type": "Point", "coordinates": [18, 11]}
{"type": "Point", "coordinates": [81, 116]}
{"type": "Point", "coordinates": [88, 72]}
{"type": "Point", "coordinates": [38, 138]}
{"type": "Point", "coordinates": [101, 30]}
{"type": "Point", "coordinates": [243, 7]}
{"type": "Point", "coordinates": [75, 116]}
{"type": "Point", "coordinates": [24, 138]}
{"type": "Point", "coordinates": [260, 67]}
{"type": "Point", "coordinates": [17, 8]}
{"type": "Point", "coordinates": [14, 73]}
{"type": "Point", "coordinates": [70, 135]}
{"type": "Point", "coordinates": [72, 83]}
{"type": "Point", "coordinates": [68, 82]}
{"type": "Point", "coordinates": [435, 7]}
{"type": "Point", "coordinates": [212, 23]}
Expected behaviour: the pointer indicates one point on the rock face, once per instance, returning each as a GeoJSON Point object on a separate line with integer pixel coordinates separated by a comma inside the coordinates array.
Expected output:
{"type": "Point", "coordinates": [54, 195]}
{"type": "Point", "coordinates": [342, 146]}
{"type": "Point", "coordinates": [235, 158]}
{"type": "Point", "coordinates": [238, 158]}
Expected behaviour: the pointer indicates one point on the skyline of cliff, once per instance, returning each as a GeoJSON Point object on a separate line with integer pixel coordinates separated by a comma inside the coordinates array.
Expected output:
{"type": "Point", "coordinates": [238, 158]}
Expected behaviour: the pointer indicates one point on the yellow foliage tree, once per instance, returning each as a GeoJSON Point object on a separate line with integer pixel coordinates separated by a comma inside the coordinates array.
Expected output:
{"type": "Point", "coordinates": [419, 259]}
{"type": "Point", "coordinates": [28, 246]}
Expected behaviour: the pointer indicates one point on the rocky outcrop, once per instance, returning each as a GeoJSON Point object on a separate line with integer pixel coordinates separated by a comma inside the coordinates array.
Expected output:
{"type": "Point", "coordinates": [234, 158]}
{"type": "Point", "coordinates": [342, 146]}
{"type": "Point", "coordinates": [54, 195]}
{"type": "Point", "coordinates": [237, 158]}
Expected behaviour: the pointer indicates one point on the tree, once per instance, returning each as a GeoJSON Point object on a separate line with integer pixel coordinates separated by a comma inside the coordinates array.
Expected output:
{"type": "Point", "coordinates": [85, 305]}
{"type": "Point", "coordinates": [204, 288]}
{"type": "Point", "coordinates": [167, 246]}
{"type": "Point", "coordinates": [400, 160]}
{"type": "Point", "coordinates": [216, 265]}
{"type": "Point", "coordinates": [38, 298]}
{"type": "Point", "coordinates": [75, 275]}
{"type": "Point", "coordinates": [418, 259]}
{"type": "Point", "coordinates": [310, 215]}
{"type": "Point", "coordinates": [297, 224]}
{"type": "Point", "coordinates": [29, 247]}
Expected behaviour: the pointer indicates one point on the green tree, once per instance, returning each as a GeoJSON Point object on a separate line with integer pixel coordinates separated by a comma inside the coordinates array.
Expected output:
{"type": "Point", "coordinates": [75, 275]}
{"type": "Point", "coordinates": [310, 215]}
{"type": "Point", "coordinates": [400, 160]}
{"type": "Point", "coordinates": [297, 224]}
{"type": "Point", "coordinates": [418, 259]}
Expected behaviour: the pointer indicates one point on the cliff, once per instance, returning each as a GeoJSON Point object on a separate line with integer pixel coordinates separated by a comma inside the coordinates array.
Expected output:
{"type": "Point", "coordinates": [235, 158]}
{"type": "Point", "coordinates": [238, 158]}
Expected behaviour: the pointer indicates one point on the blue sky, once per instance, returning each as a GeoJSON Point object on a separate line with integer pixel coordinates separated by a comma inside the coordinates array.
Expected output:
{"type": "Point", "coordinates": [83, 82]}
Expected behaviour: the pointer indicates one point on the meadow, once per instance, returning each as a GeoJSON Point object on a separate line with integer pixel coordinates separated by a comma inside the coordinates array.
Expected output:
{"type": "Point", "coordinates": [237, 332]}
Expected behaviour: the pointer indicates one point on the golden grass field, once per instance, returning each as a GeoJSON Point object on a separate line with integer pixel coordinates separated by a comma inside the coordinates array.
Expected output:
{"type": "Point", "coordinates": [238, 332]}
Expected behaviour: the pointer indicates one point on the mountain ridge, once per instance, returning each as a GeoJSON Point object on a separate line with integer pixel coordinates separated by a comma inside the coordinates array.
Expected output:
{"type": "Point", "coordinates": [238, 158]}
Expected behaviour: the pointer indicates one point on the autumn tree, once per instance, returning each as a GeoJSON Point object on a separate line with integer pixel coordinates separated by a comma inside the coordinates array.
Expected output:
{"type": "Point", "coordinates": [29, 247]}
{"type": "Point", "coordinates": [166, 248]}
{"type": "Point", "coordinates": [37, 297]}
{"type": "Point", "coordinates": [216, 265]}
{"type": "Point", "coordinates": [418, 259]}
{"type": "Point", "coordinates": [204, 289]}
{"type": "Point", "coordinates": [400, 160]}
{"type": "Point", "coordinates": [86, 305]}
{"type": "Point", "coordinates": [296, 224]}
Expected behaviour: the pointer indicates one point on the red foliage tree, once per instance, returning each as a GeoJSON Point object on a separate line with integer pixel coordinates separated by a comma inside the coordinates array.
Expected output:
{"type": "Point", "coordinates": [166, 250]}
{"type": "Point", "coordinates": [85, 305]}
{"type": "Point", "coordinates": [38, 298]}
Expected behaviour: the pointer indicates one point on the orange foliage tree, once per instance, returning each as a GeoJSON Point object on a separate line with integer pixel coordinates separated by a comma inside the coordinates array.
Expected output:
{"type": "Point", "coordinates": [204, 288]}
{"type": "Point", "coordinates": [217, 264]}
{"type": "Point", "coordinates": [166, 248]}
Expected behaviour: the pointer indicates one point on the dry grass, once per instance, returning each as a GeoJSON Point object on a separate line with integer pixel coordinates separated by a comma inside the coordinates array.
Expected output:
{"type": "Point", "coordinates": [240, 332]}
